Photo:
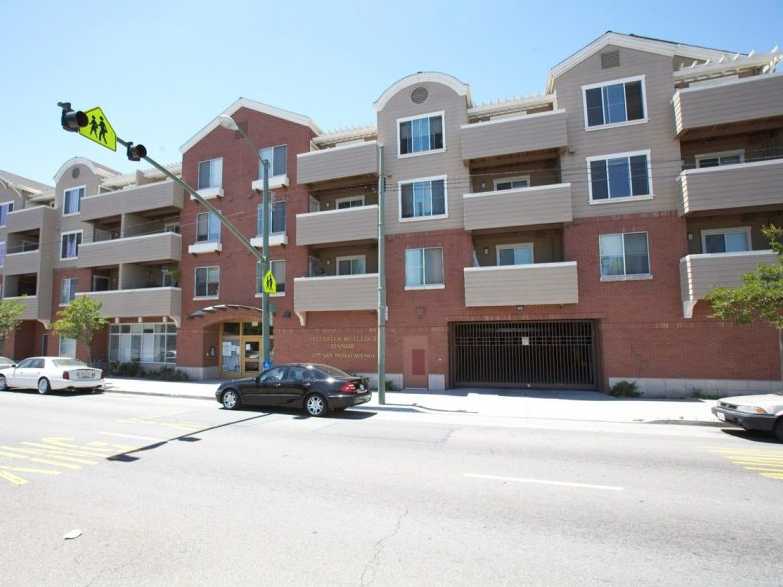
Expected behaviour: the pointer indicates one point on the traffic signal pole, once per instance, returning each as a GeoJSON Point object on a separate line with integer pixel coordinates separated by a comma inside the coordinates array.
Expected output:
{"type": "Point", "coordinates": [381, 310]}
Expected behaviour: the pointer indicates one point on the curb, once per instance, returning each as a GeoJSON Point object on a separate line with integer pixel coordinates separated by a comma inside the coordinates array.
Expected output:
{"type": "Point", "coordinates": [159, 394]}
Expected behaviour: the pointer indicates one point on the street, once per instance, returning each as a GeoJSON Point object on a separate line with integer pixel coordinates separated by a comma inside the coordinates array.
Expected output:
{"type": "Point", "coordinates": [181, 492]}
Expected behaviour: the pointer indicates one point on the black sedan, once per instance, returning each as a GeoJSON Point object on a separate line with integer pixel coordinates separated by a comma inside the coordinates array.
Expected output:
{"type": "Point", "coordinates": [315, 388]}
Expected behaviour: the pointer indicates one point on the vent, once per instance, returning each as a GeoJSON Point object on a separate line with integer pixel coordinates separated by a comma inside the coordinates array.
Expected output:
{"type": "Point", "coordinates": [419, 95]}
{"type": "Point", "coordinates": [610, 59]}
{"type": "Point", "coordinates": [75, 172]}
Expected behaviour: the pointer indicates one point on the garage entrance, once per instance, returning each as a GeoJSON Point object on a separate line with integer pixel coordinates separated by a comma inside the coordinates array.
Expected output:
{"type": "Point", "coordinates": [545, 353]}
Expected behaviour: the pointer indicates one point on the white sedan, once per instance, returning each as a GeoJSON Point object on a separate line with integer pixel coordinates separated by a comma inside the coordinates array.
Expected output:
{"type": "Point", "coordinates": [51, 373]}
{"type": "Point", "coordinates": [753, 412]}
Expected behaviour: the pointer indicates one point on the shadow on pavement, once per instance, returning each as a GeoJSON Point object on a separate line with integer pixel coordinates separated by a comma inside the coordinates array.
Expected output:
{"type": "Point", "coordinates": [753, 435]}
{"type": "Point", "coordinates": [54, 393]}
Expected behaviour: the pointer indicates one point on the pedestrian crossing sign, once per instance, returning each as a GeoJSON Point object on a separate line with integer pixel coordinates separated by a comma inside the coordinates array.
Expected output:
{"type": "Point", "coordinates": [99, 129]}
{"type": "Point", "coordinates": [269, 283]}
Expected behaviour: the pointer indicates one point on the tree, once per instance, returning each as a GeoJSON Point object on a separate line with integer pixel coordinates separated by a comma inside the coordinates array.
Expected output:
{"type": "Point", "coordinates": [10, 315]}
{"type": "Point", "coordinates": [80, 320]}
{"type": "Point", "coordinates": [760, 297]}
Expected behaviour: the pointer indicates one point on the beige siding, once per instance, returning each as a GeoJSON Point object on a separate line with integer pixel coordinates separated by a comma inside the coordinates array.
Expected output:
{"type": "Point", "coordinates": [505, 136]}
{"type": "Point", "coordinates": [35, 218]}
{"type": "Point", "coordinates": [732, 186]}
{"type": "Point", "coordinates": [350, 292]}
{"type": "Point", "coordinates": [449, 162]}
{"type": "Point", "coordinates": [657, 134]}
{"type": "Point", "coordinates": [338, 162]}
{"type": "Point", "coordinates": [701, 273]}
{"type": "Point", "coordinates": [132, 303]}
{"type": "Point", "coordinates": [751, 98]}
{"type": "Point", "coordinates": [165, 246]}
{"type": "Point", "coordinates": [31, 306]}
{"type": "Point", "coordinates": [519, 285]}
{"type": "Point", "coordinates": [519, 207]}
{"type": "Point", "coordinates": [165, 194]}
{"type": "Point", "coordinates": [332, 226]}
{"type": "Point", "coordinates": [75, 221]}
{"type": "Point", "coordinates": [21, 263]}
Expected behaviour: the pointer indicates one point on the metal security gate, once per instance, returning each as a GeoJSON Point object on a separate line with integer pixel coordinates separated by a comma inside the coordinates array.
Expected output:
{"type": "Point", "coordinates": [542, 353]}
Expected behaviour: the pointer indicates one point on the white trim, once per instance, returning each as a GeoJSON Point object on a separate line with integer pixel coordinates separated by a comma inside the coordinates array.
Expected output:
{"type": "Point", "coordinates": [195, 282]}
{"type": "Point", "coordinates": [449, 81]}
{"type": "Point", "coordinates": [358, 275]}
{"type": "Point", "coordinates": [712, 231]}
{"type": "Point", "coordinates": [419, 180]}
{"type": "Point", "coordinates": [427, 115]}
{"type": "Point", "coordinates": [350, 258]}
{"type": "Point", "coordinates": [528, 245]}
{"type": "Point", "coordinates": [424, 266]}
{"type": "Point", "coordinates": [744, 80]}
{"type": "Point", "coordinates": [250, 105]}
{"type": "Point", "coordinates": [205, 247]}
{"type": "Point", "coordinates": [79, 211]}
{"type": "Point", "coordinates": [209, 193]}
{"type": "Point", "coordinates": [626, 122]}
{"type": "Point", "coordinates": [338, 210]}
{"type": "Point", "coordinates": [337, 146]}
{"type": "Point", "coordinates": [625, 275]}
{"type": "Point", "coordinates": [631, 198]}
{"type": "Point", "coordinates": [527, 266]}
{"type": "Point", "coordinates": [512, 179]}
{"type": "Point", "coordinates": [633, 277]}
{"type": "Point", "coordinates": [60, 252]}
{"type": "Point", "coordinates": [731, 166]}
{"type": "Point", "coordinates": [511, 118]}
{"type": "Point", "coordinates": [717, 155]}
{"type": "Point", "coordinates": [338, 201]}
{"type": "Point", "coordinates": [423, 287]}
{"type": "Point", "coordinates": [277, 239]}
{"type": "Point", "coordinates": [198, 175]}
{"type": "Point", "coordinates": [128, 238]}
{"type": "Point", "coordinates": [549, 186]}
{"type": "Point", "coordinates": [96, 169]}
{"type": "Point", "coordinates": [275, 182]}
{"type": "Point", "coordinates": [760, 253]}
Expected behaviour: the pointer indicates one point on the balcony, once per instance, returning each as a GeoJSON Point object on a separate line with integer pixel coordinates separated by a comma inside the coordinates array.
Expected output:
{"type": "Point", "coordinates": [751, 98]}
{"type": "Point", "coordinates": [546, 204]}
{"type": "Point", "coordinates": [522, 285]}
{"type": "Point", "coordinates": [23, 262]}
{"type": "Point", "coordinates": [699, 274]}
{"type": "Point", "coordinates": [133, 303]}
{"type": "Point", "coordinates": [728, 187]}
{"type": "Point", "coordinates": [163, 246]}
{"type": "Point", "coordinates": [335, 293]}
{"type": "Point", "coordinates": [334, 226]}
{"type": "Point", "coordinates": [143, 198]}
{"type": "Point", "coordinates": [505, 136]}
{"type": "Point", "coordinates": [30, 304]}
{"type": "Point", "coordinates": [41, 218]}
{"type": "Point", "coordinates": [338, 162]}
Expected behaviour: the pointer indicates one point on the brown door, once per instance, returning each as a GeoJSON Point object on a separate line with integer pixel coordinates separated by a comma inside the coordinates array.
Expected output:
{"type": "Point", "coordinates": [415, 362]}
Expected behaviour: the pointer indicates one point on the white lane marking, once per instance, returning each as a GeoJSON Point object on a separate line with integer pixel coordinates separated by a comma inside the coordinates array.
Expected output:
{"type": "Point", "coordinates": [136, 436]}
{"type": "Point", "coordinates": [545, 482]}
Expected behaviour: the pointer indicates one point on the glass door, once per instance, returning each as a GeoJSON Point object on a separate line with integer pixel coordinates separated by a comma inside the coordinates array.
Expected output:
{"type": "Point", "coordinates": [251, 358]}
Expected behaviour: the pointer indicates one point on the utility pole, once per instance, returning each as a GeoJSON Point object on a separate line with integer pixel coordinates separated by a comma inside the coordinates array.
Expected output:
{"type": "Point", "coordinates": [266, 210]}
{"type": "Point", "coordinates": [381, 334]}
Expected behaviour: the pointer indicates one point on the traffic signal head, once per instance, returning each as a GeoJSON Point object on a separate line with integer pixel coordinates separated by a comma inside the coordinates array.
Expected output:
{"type": "Point", "coordinates": [136, 152]}
{"type": "Point", "coordinates": [71, 120]}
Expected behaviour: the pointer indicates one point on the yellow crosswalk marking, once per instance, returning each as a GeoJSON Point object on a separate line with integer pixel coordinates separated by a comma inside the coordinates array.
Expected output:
{"type": "Point", "coordinates": [773, 475]}
{"type": "Point", "coordinates": [769, 469]}
{"type": "Point", "coordinates": [51, 454]}
{"type": "Point", "coordinates": [29, 470]}
{"type": "Point", "coordinates": [37, 460]}
{"type": "Point", "coordinates": [765, 462]}
{"type": "Point", "coordinates": [67, 451]}
{"type": "Point", "coordinates": [15, 479]}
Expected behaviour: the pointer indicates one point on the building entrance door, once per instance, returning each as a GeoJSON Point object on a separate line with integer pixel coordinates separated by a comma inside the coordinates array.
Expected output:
{"type": "Point", "coordinates": [251, 358]}
{"type": "Point", "coordinates": [240, 349]}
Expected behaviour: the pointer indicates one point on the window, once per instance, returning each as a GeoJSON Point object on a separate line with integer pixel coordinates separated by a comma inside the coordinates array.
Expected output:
{"type": "Point", "coordinates": [716, 159]}
{"type": "Point", "coordinates": [278, 219]}
{"type": "Point", "coordinates": [168, 277]}
{"type": "Point", "coordinates": [171, 227]}
{"type": "Point", "coordinates": [624, 255]}
{"type": "Point", "coordinates": [350, 202]}
{"type": "Point", "coordinates": [72, 200]}
{"type": "Point", "coordinates": [614, 102]}
{"type": "Point", "coordinates": [101, 283]}
{"type": "Point", "coordinates": [421, 134]}
{"type": "Point", "coordinates": [208, 227]}
{"type": "Point", "coordinates": [147, 342]}
{"type": "Point", "coordinates": [278, 270]}
{"type": "Point", "coordinates": [726, 240]}
{"type": "Point", "coordinates": [423, 268]}
{"type": "Point", "coordinates": [622, 175]}
{"type": "Point", "coordinates": [273, 375]}
{"type": "Point", "coordinates": [68, 290]}
{"type": "Point", "coordinates": [512, 183]}
{"type": "Point", "coordinates": [69, 244]}
{"type": "Point", "coordinates": [5, 208]}
{"type": "Point", "coordinates": [521, 254]}
{"type": "Point", "coordinates": [354, 265]}
{"type": "Point", "coordinates": [207, 282]}
{"type": "Point", "coordinates": [210, 173]}
{"type": "Point", "coordinates": [2, 253]}
{"type": "Point", "coordinates": [68, 347]}
{"type": "Point", "coordinates": [423, 198]}
{"type": "Point", "coordinates": [278, 160]}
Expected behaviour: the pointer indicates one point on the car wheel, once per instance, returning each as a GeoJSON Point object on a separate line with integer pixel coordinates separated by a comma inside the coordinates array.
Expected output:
{"type": "Point", "coordinates": [97, 390]}
{"type": "Point", "coordinates": [779, 429]}
{"type": "Point", "coordinates": [3, 383]}
{"type": "Point", "coordinates": [315, 405]}
{"type": "Point", "coordinates": [230, 399]}
{"type": "Point", "coordinates": [43, 386]}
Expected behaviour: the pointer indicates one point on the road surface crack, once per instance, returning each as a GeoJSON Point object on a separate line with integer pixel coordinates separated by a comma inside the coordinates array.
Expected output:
{"type": "Point", "coordinates": [368, 573]}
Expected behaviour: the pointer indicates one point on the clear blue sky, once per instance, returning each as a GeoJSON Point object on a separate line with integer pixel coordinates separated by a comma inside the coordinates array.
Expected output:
{"type": "Point", "coordinates": [161, 70]}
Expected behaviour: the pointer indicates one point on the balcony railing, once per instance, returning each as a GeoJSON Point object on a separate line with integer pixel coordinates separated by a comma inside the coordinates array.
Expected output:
{"type": "Point", "coordinates": [22, 262]}
{"type": "Point", "coordinates": [144, 302]}
{"type": "Point", "coordinates": [42, 218]}
{"type": "Point", "coordinates": [333, 226]}
{"type": "Point", "coordinates": [153, 196]}
{"type": "Point", "coordinates": [338, 162]}
{"type": "Point", "coordinates": [162, 246]}
{"type": "Point", "coordinates": [30, 304]}
{"type": "Point", "coordinates": [518, 134]}
{"type": "Point", "coordinates": [522, 285]}
{"type": "Point", "coordinates": [544, 204]}
{"type": "Point", "coordinates": [335, 293]}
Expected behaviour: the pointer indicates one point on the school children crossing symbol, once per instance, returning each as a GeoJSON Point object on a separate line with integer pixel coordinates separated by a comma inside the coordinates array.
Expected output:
{"type": "Point", "coordinates": [99, 129]}
{"type": "Point", "coordinates": [269, 283]}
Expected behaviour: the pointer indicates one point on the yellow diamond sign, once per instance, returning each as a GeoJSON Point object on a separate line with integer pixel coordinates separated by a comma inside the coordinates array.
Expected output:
{"type": "Point", "coordinates": [99, 129]}
{"type": "Point", "coordinates": [269, 283]}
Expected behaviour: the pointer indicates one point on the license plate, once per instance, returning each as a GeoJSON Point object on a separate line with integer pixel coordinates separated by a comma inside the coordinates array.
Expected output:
{"type": "Point", "coordinates": [86, 374]}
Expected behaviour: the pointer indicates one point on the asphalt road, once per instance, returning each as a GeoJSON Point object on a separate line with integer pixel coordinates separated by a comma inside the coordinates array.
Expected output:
{"type": "Point", "coordinates": [181, 492]}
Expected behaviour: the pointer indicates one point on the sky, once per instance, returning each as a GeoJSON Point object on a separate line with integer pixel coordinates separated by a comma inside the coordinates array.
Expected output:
{"type": "Point", "coordinates": [162, 70]}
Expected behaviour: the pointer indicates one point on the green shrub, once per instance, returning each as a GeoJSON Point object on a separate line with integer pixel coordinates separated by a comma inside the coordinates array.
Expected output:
{"type": "Point", "coordinates": [134, 369]}
{"type": "Point", "coordinates": [625, 389]}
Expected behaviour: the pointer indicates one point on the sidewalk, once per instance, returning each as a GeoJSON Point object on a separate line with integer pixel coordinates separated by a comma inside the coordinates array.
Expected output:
{"type": "Point", "coordinates": [531, 404]}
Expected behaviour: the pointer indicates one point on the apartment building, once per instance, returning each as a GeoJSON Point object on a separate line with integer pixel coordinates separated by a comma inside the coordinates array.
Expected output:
{"type": "Point", "coordinates": [560, 240]}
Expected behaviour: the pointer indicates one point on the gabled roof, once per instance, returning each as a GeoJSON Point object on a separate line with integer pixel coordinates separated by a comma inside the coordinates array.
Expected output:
{"type": "Point", "coordinates": [251, 105]}
{"type": "Point", "coordinates": [461, 88]}
{"type": "Point", "coordinates": [150, 173]}
{"type": "Point", "coordinates": [96, 168]}
{"type": "Point", "coordinates": [24, 183]}
{"type": "Point", "coordinates": [640, 43]}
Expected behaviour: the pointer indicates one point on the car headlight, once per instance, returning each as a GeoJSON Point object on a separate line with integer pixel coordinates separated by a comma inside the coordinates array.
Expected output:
{"type": "Point", "coordinates": [751, 410]}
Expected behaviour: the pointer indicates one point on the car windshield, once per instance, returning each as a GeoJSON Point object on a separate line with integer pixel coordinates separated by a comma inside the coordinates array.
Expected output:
{"type": "Point", "coordinates": [69, 363]}
{"type": "Point", "coordinates": [332, 371]}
